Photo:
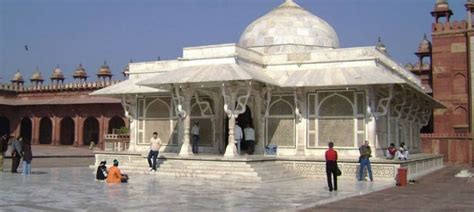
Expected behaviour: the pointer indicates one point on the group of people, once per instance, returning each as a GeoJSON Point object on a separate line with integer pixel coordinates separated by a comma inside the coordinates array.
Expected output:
{"type": "Point", "coordinates": [247, 135]}
{"type": "Point", "coordinates": [20, 148]}
{"type": "Point", "coordinates": [401, 153]}
{"type": "Point", "coordinates": [332, 170]}
{"type": "Point", "coordinates": [111, 175]}
{"type": "Point", "coordinates": [114, 175]}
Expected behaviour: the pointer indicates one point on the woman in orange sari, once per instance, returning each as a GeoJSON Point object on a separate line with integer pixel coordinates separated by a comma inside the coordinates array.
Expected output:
{"type": "Point", "coordinates": [115, 176]}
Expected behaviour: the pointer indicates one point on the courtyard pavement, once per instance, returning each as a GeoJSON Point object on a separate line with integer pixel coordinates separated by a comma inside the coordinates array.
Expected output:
{"type": "Point", "coordinates": [66, 189]}
{"type": "Point", "coordinates": [438, 191]}
{"type": "Point", "coordinates": [61, 181]}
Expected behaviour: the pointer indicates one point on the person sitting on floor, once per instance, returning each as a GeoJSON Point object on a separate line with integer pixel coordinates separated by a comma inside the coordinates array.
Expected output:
{"type": "Point", "coordinates": [101, 171]}
{"type": "Point", "coordinates": [402, 153]}
{"type": "Point", "coordinates": [391, 152]}
{"type": "Point", "coordinates": [115, 176]}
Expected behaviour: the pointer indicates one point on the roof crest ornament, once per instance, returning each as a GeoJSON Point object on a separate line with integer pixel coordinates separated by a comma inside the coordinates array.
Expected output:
{"type": "Point", "coordinates": [289, 3]}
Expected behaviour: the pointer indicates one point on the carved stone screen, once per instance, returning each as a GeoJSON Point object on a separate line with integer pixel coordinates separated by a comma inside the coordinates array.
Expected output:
{"type": "Point", "coordinates": [162, 127]}
{"type": "Point", "coordinates": [281, 131]}
{"type": "Point", "coordinates": [280, 124]}
{"type": "Point", "coordinates": [339, 131]}
{"type": "Point", "coordinates": [155, 116]}
{"type": "Point", "coordinates": [339, 117]}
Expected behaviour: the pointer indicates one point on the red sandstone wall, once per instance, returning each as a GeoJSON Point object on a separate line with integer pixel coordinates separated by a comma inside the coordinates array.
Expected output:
{"type": "Point", "coordinates": [450, 80]}
{"type": "Point", "coordinates": [78, 112]}
{"type": "Point", "coordinates": [456, 149]}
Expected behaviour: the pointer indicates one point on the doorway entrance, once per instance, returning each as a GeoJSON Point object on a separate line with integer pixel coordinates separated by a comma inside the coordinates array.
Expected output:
{"type": "Point", "coordinates": [243, 120]}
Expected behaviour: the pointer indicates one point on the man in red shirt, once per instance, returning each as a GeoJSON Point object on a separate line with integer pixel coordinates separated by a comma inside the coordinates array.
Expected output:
{"type": "Point", "coordinates": [331, 166]}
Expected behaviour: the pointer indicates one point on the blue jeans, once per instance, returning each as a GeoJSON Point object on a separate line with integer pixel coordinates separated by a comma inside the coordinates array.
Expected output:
{"type": "Point", "coordinates": [363, 163]}
{"type": "Point", "coordinates": [26, 167]}
{"type": "Point", "coordinates": [154, 155]}
{"type": "Point", "coordinates": [195, 144]}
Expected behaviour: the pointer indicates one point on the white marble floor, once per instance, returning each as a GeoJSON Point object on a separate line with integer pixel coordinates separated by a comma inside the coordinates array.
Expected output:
{"type": "Point", "coordinates": [66, 189]}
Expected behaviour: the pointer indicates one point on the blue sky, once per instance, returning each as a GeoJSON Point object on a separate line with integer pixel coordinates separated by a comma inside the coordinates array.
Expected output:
{"type": "Point", "coordinates": [66, 33]}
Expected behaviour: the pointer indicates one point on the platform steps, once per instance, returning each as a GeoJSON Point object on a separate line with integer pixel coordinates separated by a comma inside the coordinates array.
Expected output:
{"type": "Point", "coordinates": [249, 171]}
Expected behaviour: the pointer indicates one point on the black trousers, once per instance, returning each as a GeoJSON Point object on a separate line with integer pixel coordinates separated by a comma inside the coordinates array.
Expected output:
{"type": "Point", "coordinates": [15, 163]}
{"type": "Point", "coordinates": [251, 146]}
{"type": "Point", "coordinates": [331, 174]}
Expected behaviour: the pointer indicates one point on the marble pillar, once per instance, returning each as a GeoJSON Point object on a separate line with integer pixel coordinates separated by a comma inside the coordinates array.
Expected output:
{"type": "Point", "coordinates": [231, 149]}
{"type": "Point", "coordinates": [186, 149]}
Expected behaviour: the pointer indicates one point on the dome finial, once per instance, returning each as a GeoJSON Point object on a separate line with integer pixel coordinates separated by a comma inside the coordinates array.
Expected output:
{"type": "Point", "coordinates": [289, 3]}
{"type": "Point", "coordinates": [380, 46]}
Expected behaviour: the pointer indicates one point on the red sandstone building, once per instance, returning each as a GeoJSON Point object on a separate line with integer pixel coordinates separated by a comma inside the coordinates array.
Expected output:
{"type": "Point", "coordinates": [60, 113]}
{"type": "Point", "coordinates": [446, 69]}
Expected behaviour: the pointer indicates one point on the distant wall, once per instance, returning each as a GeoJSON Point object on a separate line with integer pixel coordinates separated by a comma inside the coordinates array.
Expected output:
{"type": "Point", "coordinates": [455, 148]}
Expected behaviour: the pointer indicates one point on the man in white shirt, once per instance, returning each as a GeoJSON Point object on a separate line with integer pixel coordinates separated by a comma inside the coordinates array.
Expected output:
{"type": "Point", "coordinates": [195, 134]}
{"type": "Point", "coordinates": [155, 144]}
{"type": "Point", "coordinates": [238, 136]}
{"type": "Point", "coordinates": [249, 134]}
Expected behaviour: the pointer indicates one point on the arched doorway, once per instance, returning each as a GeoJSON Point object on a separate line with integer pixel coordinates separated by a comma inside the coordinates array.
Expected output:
{"type": "Point", "coordinates": [25, 128]}
{"type": "Point", "coordinates": [46, 131]}
{"type": "Point", "coordinates": [115, 123]}
{"type": "Point", "coordinates": [66, 134]}
{"type": "Point", "coordinates": [4, 126]}
{"type": "Point", "coordinates": [242, 120]}
{"type": "Point", "coordinates": [91, 130]}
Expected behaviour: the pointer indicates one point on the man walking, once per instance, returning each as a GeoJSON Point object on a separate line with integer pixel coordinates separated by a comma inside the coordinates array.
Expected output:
{"type": "Point", "coordinates": [155, 144]}
{"type": "Point", "coordinates": [195, 134]}
{"type": "Point", "coordinates": [365, 154]}
{"type": "Point", "coordinates": [331, 166]}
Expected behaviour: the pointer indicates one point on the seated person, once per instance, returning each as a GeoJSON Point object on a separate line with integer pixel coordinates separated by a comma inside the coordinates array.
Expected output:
{"type": "Point", "coordinates": [391, 151]}
{"type": "Point", "coordinates": [101, 171]}
{"type": "Point", "coordinates": [115, 176]}
{"type": "Point", "coordinates": [402, 153]}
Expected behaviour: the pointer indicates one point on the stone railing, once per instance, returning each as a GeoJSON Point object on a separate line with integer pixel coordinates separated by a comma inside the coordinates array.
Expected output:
{"type": "Point", "coordinates": [56, 87]}
{"type": "Point", "coordinates": [116, 142]}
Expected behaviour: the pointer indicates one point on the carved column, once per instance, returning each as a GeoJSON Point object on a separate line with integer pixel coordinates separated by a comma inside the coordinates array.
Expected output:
{"type": "Point", "coordinates": [56, 131]}
{"type": "Point", "coordinates": [103, 129]}
{"type": "Point", "coordinates": [80, 130]}
{"type": "Point", "coordinates": [371, 122]}
{"type": "Point", "coordinates": [186, 149]}
{"type": "Point", "coordinates": [36, 130]}
{"type": "Point", "coordinates": [231, 149]}
{"type": "Point", "coordinates": [130, 107]}
{"type": "Point", "coordinates": [300, 122]}
{"type": "Point", "coordinates": [234, 105]}
{"type": "Point", "coordinates": [76, 130]}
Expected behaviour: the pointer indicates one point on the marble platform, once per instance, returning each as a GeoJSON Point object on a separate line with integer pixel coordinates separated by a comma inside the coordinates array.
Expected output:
{"type": "Point", "coordinates": [67, 189]}
{"type": "Point", "coordinates": [266, 168]}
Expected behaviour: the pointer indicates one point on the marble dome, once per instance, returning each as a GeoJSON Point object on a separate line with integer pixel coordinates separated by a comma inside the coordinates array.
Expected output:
{"type": "Point", "coordinates": [289, 25]}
